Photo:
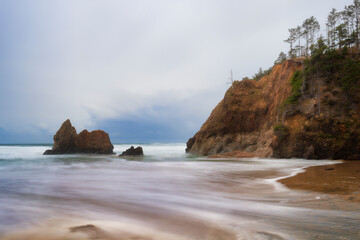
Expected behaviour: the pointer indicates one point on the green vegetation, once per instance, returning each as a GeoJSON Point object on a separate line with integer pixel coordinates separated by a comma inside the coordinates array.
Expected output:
{"type": "Point", "coordinates": [342, 30]}
{"type": "Point", "coordinates": [333, 58]}
{"type": "Point", "coordinates": [260, 74]}
{"type": "Point", "coordinates": [282, 58]}
{"type": "Point", "coordinates": [334, 65]}
{"type": "Point", "coordinates": [281, 131]}
{"type": "Point", "coordinates": [296, 83]}
{"type": "Point", "coordinates": [350, 75]}
{"type": "Point", "coordinates": [279, 127]}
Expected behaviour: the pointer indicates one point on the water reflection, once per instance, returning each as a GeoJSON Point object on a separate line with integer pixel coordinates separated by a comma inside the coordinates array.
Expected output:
{"type": "Point", "coordinates": [166, 196]}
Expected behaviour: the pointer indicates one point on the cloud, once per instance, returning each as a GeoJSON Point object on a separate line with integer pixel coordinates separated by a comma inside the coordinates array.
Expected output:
{"type": "Point", "coordinates": [121, 61]}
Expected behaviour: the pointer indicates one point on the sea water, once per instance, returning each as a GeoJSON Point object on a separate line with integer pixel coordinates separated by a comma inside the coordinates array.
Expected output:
{"type": "Point", "coordinates": [166, 194]}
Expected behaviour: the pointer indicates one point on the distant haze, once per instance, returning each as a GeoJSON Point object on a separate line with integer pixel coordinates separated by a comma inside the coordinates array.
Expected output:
{"type": "Point", "coordinates": [142, 70]}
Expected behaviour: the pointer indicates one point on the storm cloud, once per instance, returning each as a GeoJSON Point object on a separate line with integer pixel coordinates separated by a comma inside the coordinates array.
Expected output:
{"type": "Point", "coordinates": [158, 67]}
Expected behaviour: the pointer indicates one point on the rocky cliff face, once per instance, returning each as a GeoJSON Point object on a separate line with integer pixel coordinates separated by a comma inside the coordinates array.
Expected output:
{"type": "Point", "coordinates": [67, 141]}
{"type": "Point", "coordinates": [260, 119]}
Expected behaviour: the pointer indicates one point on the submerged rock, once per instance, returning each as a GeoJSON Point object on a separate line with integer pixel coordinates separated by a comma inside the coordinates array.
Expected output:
{"type": "Point", "coordinates": [92, 231]}
{"type": "Point", "coordinates": [67, 141]}
{"type": "Point", "coordinates": [133, 152]}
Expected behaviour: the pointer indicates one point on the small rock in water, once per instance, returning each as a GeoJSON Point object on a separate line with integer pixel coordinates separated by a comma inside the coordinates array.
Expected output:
{"type": "Point", "coordinates": [133, 152]}
{"type": "Point", "coordinates": [329, 169]}
{"type": "Point", "coordinates": [92, 231]}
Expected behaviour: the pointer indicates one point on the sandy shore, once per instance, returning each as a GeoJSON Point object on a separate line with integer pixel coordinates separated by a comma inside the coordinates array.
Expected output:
{"type": "Point", "coordinates": [340, 179]}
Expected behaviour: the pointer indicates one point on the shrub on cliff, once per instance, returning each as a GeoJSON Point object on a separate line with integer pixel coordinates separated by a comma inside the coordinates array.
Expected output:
{"type": "Point", "coordinates": [260, 74]}
{"type": "Point", "coordinates": [296, 83]}
{"type": "Point", "coordinates": [339, 66]}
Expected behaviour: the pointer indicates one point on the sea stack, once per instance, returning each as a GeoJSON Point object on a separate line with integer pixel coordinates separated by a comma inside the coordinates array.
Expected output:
{"type": "Point", "coordinates": [133, 152]}
{"type": "Point", "coordinates": [67, 141]}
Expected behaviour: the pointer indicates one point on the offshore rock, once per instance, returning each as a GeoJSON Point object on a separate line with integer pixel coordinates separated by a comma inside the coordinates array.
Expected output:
{"type": "Point", "coordinates": [94, 142]}
{"type": "Point", "coordinates": [132, 152]}
{"type": "Point", "coordinates": [67, 141]}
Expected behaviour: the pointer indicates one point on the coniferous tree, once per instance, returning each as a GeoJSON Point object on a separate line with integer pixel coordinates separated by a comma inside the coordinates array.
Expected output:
{"type": "Point", "coordinates": [314, 29]}
{"type": "Point", "coordinates": [281, 58]}
{"type": "Point", "coordinates": [356, 13]}
{"type": "Point", "coordinates": [341, 34]}
{"type": "Point", "coordinates": [347, 17]}
{"type": "Point", "coordinates": [298, 35]}
{"type": "Point", "coordinates": [331, 27]}
{"type": "Point", "coordinates": [310, 27]}
{"type": "Point", "coordinates": [258, 75]}
{"type": "Point", "coordinates": [291, 40]}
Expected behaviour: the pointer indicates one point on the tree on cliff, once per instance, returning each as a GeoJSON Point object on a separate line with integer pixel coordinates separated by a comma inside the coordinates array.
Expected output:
{"type": "Point", "coordinates": [291, 40]}
{"type": "Point", "coordinates": [342, 29]}
{"type": "Point", "coordinates": [331, 26]}
{"type": "Point", "coordinates": [298, 35]}
{"type": "Point", "coordinates": [309, 29]}
{"type": "Point", "coordinates": [260, 74]}
{"type": "Point", "coordinates": [281, 58]}
{"type": "Point", "coordinates": [356, 12]}
{"type": "Point", "coordinates": [341, 34]}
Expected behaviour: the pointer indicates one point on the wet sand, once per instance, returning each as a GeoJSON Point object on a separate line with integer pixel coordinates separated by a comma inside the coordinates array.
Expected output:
{"type": "Point", "coordinates": [167, 195]}
{"type": "Point", "coordinates": [339, 179]}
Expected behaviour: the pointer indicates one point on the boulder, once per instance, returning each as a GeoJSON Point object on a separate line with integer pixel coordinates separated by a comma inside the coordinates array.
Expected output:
{"type": "Point", "coordinates": [67, 141]}
{"type": "Point", "coordinates": [94, 142]}
{"type": "Point", "coordinates": [133, 152]}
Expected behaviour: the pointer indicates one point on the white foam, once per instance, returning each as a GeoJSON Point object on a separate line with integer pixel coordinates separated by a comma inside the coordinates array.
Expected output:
{"type": "Point", "coordinates": [22, 152]}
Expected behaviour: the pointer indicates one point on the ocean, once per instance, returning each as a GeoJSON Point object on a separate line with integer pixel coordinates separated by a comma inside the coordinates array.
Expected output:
{"type": "Point", "coordinates": [166, 194]}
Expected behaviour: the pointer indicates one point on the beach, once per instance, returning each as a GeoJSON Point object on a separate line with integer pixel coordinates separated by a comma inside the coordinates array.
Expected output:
{"type": "Point", "coordinates": [341, 179]}
{"type": "Point", "coordinates": [166, 194]}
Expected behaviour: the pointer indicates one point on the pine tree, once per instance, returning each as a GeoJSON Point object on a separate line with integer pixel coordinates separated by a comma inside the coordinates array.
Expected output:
{"type": "Point", "coordinates": [331, 27]}
{"type": "Point", "coordinates": [310, 27]}
{"type": "Point", "coordinates": [291, 40]}
{"type": "Point", "coordinates": [298, 35]}
{"type": "Point", "coordinates": [341, 34]}
{"type": "Point", "coordinates": [281, 58]}
{"type": "Point", "coordinates": [356, 9]}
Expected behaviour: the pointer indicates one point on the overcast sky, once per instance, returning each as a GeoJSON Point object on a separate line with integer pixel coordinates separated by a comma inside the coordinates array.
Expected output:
{"type": "Point", "coordinates": [143, 70]}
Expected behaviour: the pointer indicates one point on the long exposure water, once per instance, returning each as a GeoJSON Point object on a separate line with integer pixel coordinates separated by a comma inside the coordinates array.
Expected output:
{"type": "Point", "coordinates": [166, 194]}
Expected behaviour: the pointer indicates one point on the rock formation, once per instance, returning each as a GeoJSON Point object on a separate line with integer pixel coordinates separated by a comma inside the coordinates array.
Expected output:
{"type": "Point", "coordinates": [256, 118]}
{"type": "Point", "coordinates": [243, 120]}
{"type": "Point", "coordinates": [67, 141]}
{"type": "Point", "coordinates": [133, 152]}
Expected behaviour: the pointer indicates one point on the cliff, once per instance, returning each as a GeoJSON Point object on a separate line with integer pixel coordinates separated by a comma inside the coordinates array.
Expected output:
{"type": "Point", "coordinates": [67, 141]}
{"type": "Point", "coordinates": [294, 111]}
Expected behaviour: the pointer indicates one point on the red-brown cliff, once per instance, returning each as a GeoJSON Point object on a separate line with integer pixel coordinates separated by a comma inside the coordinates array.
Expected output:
{"type": "Point", "coordinates": [243, 120]}
{"type": "Point", "coordinates": [255, 119]}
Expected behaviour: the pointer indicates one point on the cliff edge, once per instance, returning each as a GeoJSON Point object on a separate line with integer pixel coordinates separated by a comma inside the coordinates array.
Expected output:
{"type": "Point", "coordinates": [300, 110]}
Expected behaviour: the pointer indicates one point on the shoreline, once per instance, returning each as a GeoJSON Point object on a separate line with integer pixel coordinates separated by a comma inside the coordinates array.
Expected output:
{"type": "Point", "coordinates": [342, 179]}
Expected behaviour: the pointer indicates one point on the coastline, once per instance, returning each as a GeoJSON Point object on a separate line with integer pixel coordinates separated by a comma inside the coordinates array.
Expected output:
{"type": "Point", "coordinates": [341, 179]}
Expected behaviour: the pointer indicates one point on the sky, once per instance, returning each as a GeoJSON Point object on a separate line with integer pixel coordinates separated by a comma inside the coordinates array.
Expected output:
{"type": "Point", "coordinates": [142, 70]}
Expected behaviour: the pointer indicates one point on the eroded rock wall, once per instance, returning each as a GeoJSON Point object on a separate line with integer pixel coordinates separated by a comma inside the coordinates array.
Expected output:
{"type": "Point", "coordinates": [243, 120]}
